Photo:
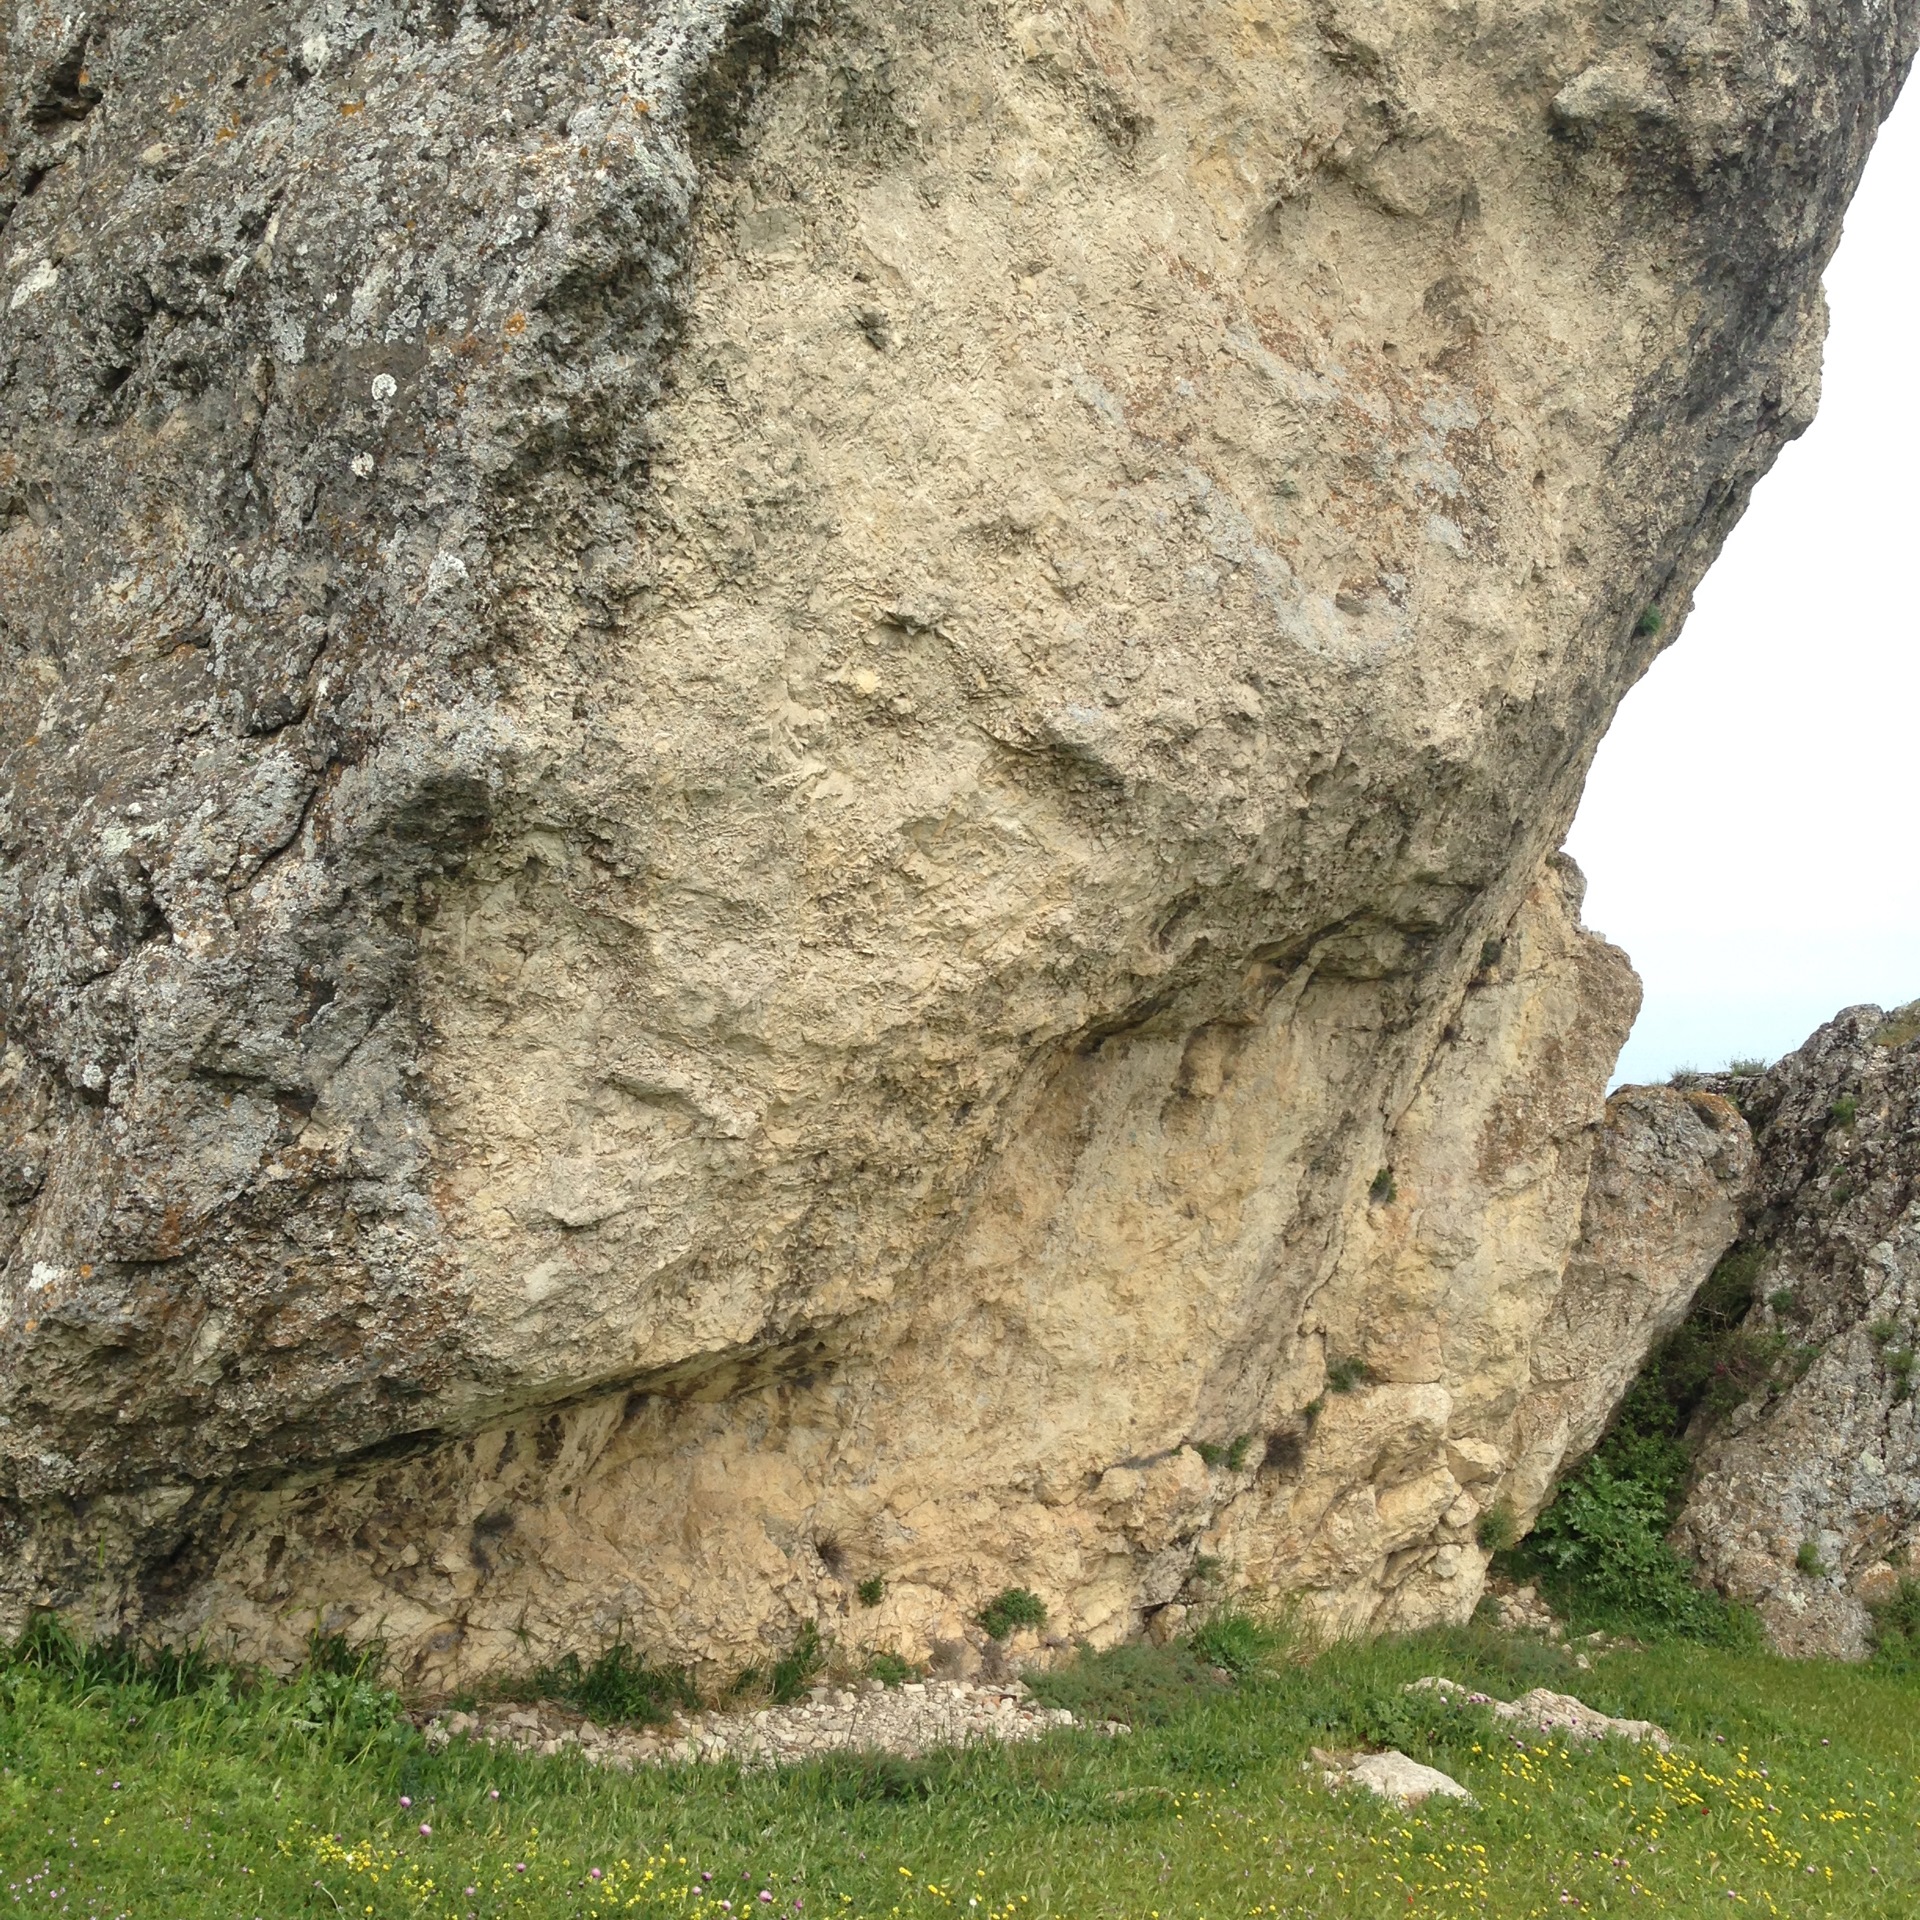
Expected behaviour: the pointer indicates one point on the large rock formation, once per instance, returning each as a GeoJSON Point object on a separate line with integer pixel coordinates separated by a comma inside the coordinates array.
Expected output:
{"type": "Point", "coordinates": [760, 782]}
{"type": "Point", "coordinates": [1805, 1502]}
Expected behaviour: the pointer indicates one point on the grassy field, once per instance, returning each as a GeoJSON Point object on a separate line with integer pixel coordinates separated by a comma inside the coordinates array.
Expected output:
{"type": "Point", "coordinates": [1792, 1789]}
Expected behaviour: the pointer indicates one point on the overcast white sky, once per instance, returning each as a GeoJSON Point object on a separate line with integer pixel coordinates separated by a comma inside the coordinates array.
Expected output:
{"type": "Point", "coordinates": [1751, 832]}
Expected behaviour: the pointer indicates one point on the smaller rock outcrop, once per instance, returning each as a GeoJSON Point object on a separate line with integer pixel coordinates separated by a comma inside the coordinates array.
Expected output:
{"type": "Point", "coordinates": [1806, 1499]}
{"type": "Point", "coordinates": [1545, 1713]}
{"type": "Point", "coordinates": [1391, 1776]}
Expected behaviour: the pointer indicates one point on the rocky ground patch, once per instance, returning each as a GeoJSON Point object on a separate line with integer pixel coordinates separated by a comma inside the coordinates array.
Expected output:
{"type": "Point", "coordinates": [867, 1717]}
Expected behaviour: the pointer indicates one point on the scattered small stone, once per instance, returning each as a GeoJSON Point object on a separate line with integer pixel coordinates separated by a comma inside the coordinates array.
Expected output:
{"type": "Point", "coordinates": [907, 1721]}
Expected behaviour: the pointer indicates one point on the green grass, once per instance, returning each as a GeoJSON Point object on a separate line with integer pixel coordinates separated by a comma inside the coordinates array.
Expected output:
{"type": "Point", "coordinates": [1792, 1787]}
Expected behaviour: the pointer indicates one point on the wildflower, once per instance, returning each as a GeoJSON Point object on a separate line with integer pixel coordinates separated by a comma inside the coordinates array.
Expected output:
{"type": "Point", "coordinates": [593, 1873]}
{"type": "Point", "coordinates": [426, 1832]}
{"type": "Point", "coordinates": [519, 1866]}
{"type": "Point", "coordinates": [404, 1801]}
{"type": "Point", "coordinates": [493, 1793]}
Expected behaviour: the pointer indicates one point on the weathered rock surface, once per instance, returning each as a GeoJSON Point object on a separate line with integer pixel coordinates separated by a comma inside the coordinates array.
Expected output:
{"type": "Point", "coordinates": [1548, 1714]}
{"type": "Point", "coordinates": [748, 770]}
{"type": "Point", "coordinates": [1825, 1457]}
{"type": "Point", "coordinates": [1394, 1777]}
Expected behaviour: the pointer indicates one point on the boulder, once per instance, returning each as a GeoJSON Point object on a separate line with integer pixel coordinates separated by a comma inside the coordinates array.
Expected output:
{"type": "Point", "coordinates": [778, 793]}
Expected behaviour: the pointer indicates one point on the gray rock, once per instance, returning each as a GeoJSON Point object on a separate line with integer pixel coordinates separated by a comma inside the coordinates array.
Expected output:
{"type": "Point", "coordinates": [1823, 1461]}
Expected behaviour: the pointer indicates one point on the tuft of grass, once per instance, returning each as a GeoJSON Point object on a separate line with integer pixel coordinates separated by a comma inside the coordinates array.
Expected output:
{"type": "Point", "coordinates": [890, 1670]}
{"type": "Point", "coordinates": [1746, 1069]}
{"type": "Point", "coordinates": [1900, 1369]}
{"type": "Point", "coordinates": [1844, 1111]}
{"type": "Point", "coordinates": [1237, 1643]}
{"type": "Point", "coordinates": [1498, 1528]}
{"type": "Point", "coordinates": [1900, 1028]}
{"type": "Point", "coordinates": [1232, 1455]}
{"type": "Point", "coordinates": [1896, 1626]}
{"type": "Point", "coordinates": [1809, 1562]}
{"type": "Point", "coordinates": [1344, 1375]}
{"type": "Point", "coordinates": [1139, 1686]}
{"type": "Point", "coordinates": [1784, 1301]}
{"type": "Point", "coordinates": [872, 1590]}
{"type": "Point", "coordinates": [1010, 1610]}
{"type": "Point", "coordinates": [617, 1687]}
{"type": "Point", "coordinates": [1884, 1332]}
{"type": "Point", "coordinates": [1382, 1191]}
{"type": "Point", "coordinates": [1650, 622]}
{"type": "Point", "coordinates": [795, 1669]}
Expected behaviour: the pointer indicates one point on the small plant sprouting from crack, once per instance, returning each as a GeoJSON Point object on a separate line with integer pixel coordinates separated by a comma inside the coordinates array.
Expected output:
{"type": "Point", "coordinates": [1498, 1528]}
{"type": "Point", "coordinates": [1344, 1375]}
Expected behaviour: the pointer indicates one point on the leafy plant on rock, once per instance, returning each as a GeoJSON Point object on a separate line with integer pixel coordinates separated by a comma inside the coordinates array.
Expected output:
{"type": "Point", "coordinates": [1014, 1608]}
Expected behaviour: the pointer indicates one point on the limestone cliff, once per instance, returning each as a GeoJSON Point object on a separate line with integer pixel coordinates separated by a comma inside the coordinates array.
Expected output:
{"type": "Point", "coordinates": [775, 793]}
{"type": "Point", "coordinates": [1805, 1502]}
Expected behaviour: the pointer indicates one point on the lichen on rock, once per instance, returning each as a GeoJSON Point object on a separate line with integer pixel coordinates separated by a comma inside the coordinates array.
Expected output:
{"type": "Point", "coordinates": [751, 768]}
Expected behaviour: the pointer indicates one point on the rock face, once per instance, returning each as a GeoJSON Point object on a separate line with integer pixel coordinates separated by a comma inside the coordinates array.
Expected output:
{"type": "Point", "coordinates": [775, 794]}
{"type": "Point", "coordinates": [1825, 1459]}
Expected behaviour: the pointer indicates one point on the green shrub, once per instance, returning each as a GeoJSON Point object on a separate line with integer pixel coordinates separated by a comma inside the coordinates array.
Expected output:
{"type": "Point", "coordinates": [1896, 1625]}
{"type": "Point", "coordinates": [872, 1590]}
{"type": "Point", "coordinates": [1809, 1562]}
{"type": "Point", "coordinates": [890, 1670]}
{"type": "Point", "coordinates": [798, 1665]}
{"type": "Point", "coordinates": [1650, 622]}
{"type": "Point", "coordinates": [1236, 1642]}
{"type": "Point", "coordinates": [1239, 1453]}
{"type": "Point", "coordinates": [1497, 1529]}
{"type": "Point", "coordinates": [1140, 1686]}
{"type": "Point", "coordinates": [1016, 1607]}
{"type": "Point", "coordinates": [1209, 1451]}
{"type": "Point", "coordinates": [1844, 1111]}
{"type": "Point", "coordinates": [1601, 1544]}
{"type": "Point", "coordinates": [1883, 1332]}
{"type": "Point", "coordinates": [1746, 1069]}
{"type": "Point", "coordinates": [1382, 1192]}
{"type": "Point", "coordinates": [1344, 1375]}
{"type": "Point", "coordinates": [618, 1687]}
{"type": "Point", "coordinates": [1783, 1300]}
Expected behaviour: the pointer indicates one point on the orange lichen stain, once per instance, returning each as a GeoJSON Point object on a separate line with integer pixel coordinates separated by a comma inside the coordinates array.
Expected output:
{"type": "Point", "coordinates": [86, 1273]}
{"type": "Point", "coordinates": [348, 108]}
{"type": "Point", "coordinates": [516, 323]}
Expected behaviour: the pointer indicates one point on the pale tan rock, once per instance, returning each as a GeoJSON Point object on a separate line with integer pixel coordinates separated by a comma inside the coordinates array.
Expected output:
{"type": "Point", "coordinates": [938, 755]}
